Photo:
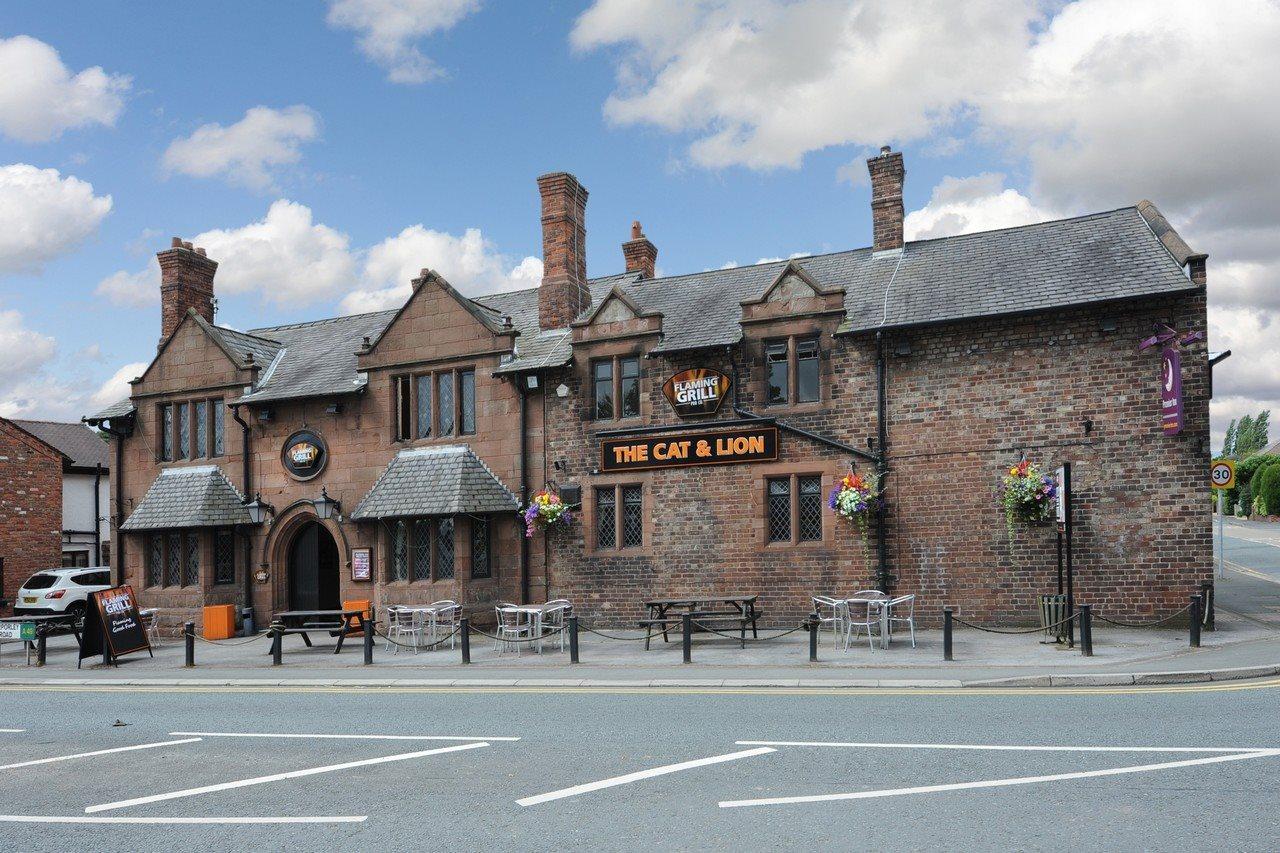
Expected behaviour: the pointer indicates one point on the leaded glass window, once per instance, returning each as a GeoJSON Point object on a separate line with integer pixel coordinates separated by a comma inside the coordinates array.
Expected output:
{"type": "Point", "coordinates": [444, 403]}
{"type": "Point", "coordinates": [155, 560]}
{"type": "Point", "coordinates": [467, 394]}
{"type": "Point", "coordinates": [444, 549]}
{"type": "Point", "coordinates": [224, 557]}
{"type": "Point", "coordinates": [424, 405]}
{"type": "Point", "coordinates": [202, 429]}
{"type": "Point", "coordinates": [399, 562]}
{"type": "Point", "coordinates": [602, 389]}
{"type": "Point", "coordinates": [184, 431]}
{"type": "Point", "coordinates": [191, 560]}
{"type": "Point", "coordinates": [219, 414]}
{"type": "Point", "coordinates": [481, 567]}
{"type": "Point", "coordinates": [422, 529]}
{"type": "Point", "coordinates": [779, 509]}
{"type": "Point", "coordinates": [606, 518]}
{"type": "Point", "coordinates": [166, 432]}
{"type": "Point", "coordinates": [776, 372]}
{"type": "Point", "coordinates": [632, 517]}
{"type": "Point", "coordinates": [173, 560]}
{"type": "Point", "coordinates": [810, 509]}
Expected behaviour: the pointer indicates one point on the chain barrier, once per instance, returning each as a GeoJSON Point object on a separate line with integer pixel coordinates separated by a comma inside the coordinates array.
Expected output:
{"type": "Point", "coordinates": [544, 636]}
{"type": "Point", "coordinates": [1168, 618]}
{"type": "Point", "coordinates": [582, 627]}
{"type": "Point", "coordinates": [431, 645]}
{"type": "Point", "coordinates": [802, 626]}
{"type": "Point", "coordinates": [242, 642]}
{"type": "Point", "coordinates": [1035, 630]}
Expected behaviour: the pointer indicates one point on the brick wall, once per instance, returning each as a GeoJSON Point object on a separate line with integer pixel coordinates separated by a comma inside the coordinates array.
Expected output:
{"type": "Point", "coordinates": [30, 508]}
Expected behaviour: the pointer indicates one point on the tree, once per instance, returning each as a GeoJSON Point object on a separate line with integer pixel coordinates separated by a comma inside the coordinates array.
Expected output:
{"type": "Point", "coordinates": [1244, 435]}
{"type": "Point", "coordinates": [1261, 426]}
{"type": "Point", "coordinates": [1229, 441]}
{"type": "Point", "coordinates": [1252, 434]}
{"type": "Point", "coordinates": [1269, 491]}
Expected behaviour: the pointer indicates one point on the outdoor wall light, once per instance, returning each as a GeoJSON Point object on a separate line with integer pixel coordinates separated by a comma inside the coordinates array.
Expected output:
{"type": "Point", "coordinates": [265, 415]}
{"type": "Point", "coordinates": [1108, 324]}
{"type": "Point", "coordinates": [333, 409]}
{"type": "Point", "coordinates": [326, 507]}
{"type": "Point", "coordinates": [562, 390]}
{"type": "Point", "coordinates": [903, 348]}
{"type": "Point", "coordinates": [258, 510]}
{"type": "Point", "coordinates": [531, 382]}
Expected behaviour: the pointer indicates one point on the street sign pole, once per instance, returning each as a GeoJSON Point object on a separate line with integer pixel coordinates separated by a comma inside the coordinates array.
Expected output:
{"type": "Point", "coordinates": [1222, 542]}
{"type": "Point", "coordinates": [1222, 476]}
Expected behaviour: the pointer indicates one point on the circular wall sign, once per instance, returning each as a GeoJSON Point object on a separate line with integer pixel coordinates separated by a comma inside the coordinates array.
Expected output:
{"type": "Point", "coordinates": [304, 454]}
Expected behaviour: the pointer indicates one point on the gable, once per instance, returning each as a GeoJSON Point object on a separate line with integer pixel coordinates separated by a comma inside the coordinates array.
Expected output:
{"type": "Point", "coordinates": [790, 287]}
{"type": "Point", "coordinates": [12, 435]}
{"type": "Point", "coordinates": [191, 358]}
{"type": "Point", "coordinates": [614, 310]}
{"type": "Point", "coordinates": [437, 322]}
{"type": "Point", "coordinates": [793, 292]}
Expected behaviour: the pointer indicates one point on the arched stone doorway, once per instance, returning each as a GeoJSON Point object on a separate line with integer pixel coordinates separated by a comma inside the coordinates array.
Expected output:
{"type": "Point", "coordinates": [313, 569]}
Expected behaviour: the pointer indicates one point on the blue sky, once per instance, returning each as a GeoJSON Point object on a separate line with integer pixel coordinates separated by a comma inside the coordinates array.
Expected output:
{"type": "Point", "coordinates": [378, 132]}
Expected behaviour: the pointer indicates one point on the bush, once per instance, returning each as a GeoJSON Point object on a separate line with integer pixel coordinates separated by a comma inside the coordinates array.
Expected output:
{"type": "Point", "coordinates": [1269, 490]}
{"type": "Point", "coordinates": [1246, 500]}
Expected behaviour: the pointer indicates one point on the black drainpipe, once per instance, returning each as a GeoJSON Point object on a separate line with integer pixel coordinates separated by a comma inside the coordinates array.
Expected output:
{"type": "Point", "coordinates": [524, 488]}
{"type": "Point", "coordinates": [882, 465]}
{"type": "Point", "coordinates": [247, 481]}
{"type": "Point", "coordinates": [97, 514]}
{"type": "Point", "coordinates": [119, 434]}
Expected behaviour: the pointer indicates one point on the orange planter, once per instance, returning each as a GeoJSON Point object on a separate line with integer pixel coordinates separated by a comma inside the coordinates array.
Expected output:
{"type": "Point", "coordinates": [219, 622]}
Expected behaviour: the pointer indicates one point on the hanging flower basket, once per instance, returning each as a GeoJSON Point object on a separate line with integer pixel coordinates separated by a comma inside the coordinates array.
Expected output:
{"type": "Point", "coordinates": [546, 512]}
{"type": "Point", "coordinates": [856, 499]}
{"type": "Point", "coordinates": [1027, 495]}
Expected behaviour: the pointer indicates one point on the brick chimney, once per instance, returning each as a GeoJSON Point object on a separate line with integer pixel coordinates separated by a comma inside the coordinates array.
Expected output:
{"type": "Point", "coordinates": [887, 173]}
{"type": "Point", "coordinates": [186, 281]}
{"type": "Point", "coordinates": [641, 255]}
{"type": "Point", "coordinates": [564, 294]}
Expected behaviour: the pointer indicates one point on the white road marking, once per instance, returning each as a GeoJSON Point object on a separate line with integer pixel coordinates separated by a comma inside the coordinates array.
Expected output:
{"type": "Point", "coordinates": [12, 731]}
{"type": "Point", "coordinates": [997, 783]}
{"type": "Point", "coordinates": [276, 777]}
{"type": "Point", "coordinates": [22, 818]}
{"type": "Point", "coordinates": [98, 752]}
{"type": "Point", "coordinates": [642, 774]}
{"type": "Point", "coordinates": [340, 737]}
{"type": "Point", "coordinates": [994, 747]}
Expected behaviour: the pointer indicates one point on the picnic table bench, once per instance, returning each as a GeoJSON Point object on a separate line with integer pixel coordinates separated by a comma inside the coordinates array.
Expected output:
{"type": "Point", "coordinates": [709, 610]}
{"type": "Point", "coordinates": [338, 623]}
{"type": "Point", "coordinates": [45, 625]}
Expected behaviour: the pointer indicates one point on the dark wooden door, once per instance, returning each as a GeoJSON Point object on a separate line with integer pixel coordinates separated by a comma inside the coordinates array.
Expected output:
{"type": "Point", "coordinates": [313, 570]}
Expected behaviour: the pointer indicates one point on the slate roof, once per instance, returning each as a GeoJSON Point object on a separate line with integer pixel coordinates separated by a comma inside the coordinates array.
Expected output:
{"type": "Point", "coordinates": [316, 359]}
{"type": "Point", "coordinates": [118, 409]}
{"type": "Point", "coordinates": [81, 445]}
{"type": "Point", "coordinates": [442, 480]}
{"type": "Point", "coordinates": [196, 496]}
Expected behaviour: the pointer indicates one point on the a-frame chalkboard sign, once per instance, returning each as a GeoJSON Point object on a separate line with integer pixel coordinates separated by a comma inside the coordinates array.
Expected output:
{"type": "Point", "coordinates": [112, 626]}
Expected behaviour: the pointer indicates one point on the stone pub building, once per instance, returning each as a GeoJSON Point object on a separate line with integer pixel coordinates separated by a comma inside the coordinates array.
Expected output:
{"type": "Point", "coordinates": [700, 420]}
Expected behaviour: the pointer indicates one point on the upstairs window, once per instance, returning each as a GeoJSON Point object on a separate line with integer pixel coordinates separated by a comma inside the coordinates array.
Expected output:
{"type": "Point", "coordinates": [467, 402]}
{"type": "Point", "coordinates": [166, 432]}
{"type": "Point", "coordinates": [217, 414]}
{"type": "Point", "coordinates": [200, 438]}
{"type": "Point", "coordinates": [424, 406]}
{"type": "Point", "coordinates": [403, 407]}
{"type": "Point", "coordinates": [792, 371]}
{"type": "Point", "coordinates": [192, 430]}
{"type": "Point", "coordinates": [184, 431]}
{"type": "Point", "coordinates": [615, 388]}
{"type": "Point", "coordinates": [441, 403]}
{"type": "Point", "coordinates": [444, 403]}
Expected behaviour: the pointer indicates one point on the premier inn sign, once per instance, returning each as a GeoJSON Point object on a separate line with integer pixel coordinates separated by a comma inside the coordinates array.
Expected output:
{"type": "Point", "coordinates": [751, 444]}
{"type": "Point", "coordinates": [697, 391]}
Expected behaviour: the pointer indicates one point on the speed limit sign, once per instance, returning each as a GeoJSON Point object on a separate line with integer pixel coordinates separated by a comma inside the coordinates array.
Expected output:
{"type": "Point", "coordinates": [1223, 474]}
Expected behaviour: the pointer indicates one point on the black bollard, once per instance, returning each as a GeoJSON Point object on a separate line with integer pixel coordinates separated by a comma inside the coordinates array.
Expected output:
{"type": "Point", "coordinates": [42, 646]}
{"type": "Point", "coordinates": [189, 638]}
{"type": "Point", "coordinates": [686, 638]}
{"type": "Point", "coordinates": [1086, 630]}
{"type": "Point", "coordinates": [277, 641]}
{"type": "Point", "coordinates": [1196, 604]}
{"type": "Point", "coordinates": [1206, 593]}
{"type": "Point", "coordinates": [368, 640]}
{"type": "Point", "coordinates": [946, 633]}
{"type": "Point", "coordinates": [573, 639]}
{"type": "Point", "coordinates": [464, 629]}
{"type": "Point", "coordinates": [813, 637]}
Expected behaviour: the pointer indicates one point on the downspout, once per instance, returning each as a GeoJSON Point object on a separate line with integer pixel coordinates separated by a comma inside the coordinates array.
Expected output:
{"type": "Point", "coordinates": [97, 514]}
{"type": "Point", "coordinates": [524, 489]}
{"type": "Point", "coordinates": [247, 481]}
{"type": "Point", "coordinates": [882, 465]}
{"type": "Point", "coordinates": [117, 556]}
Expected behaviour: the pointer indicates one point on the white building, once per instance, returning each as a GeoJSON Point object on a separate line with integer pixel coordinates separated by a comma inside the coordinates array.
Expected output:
{"type": "Point", "coordinates": [86, 490]}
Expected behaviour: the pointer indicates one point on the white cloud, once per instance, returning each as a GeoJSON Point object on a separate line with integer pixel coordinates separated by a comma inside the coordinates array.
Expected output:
{"type": "Point", "coordinates": [965, 205]}
{"type": "Point", "coordinates": [388, 29]}
{"type": "Point", "coordinates": [44, 215]}
{"type": "Point", "coordinates": [132, 289]}
{"type": "Point", "coordinates": [24, 356]}
{"type": "Point", "coordinates": [248, 152]}
{"type": "Point", "coordinates": [41, 98]}
{"type": "Point", "coordinates": [470, 263]}
{"type": "Point", "coordinates": [116, 387]}
{"type": "Point", "coordinates": [285, 257]}
{"type": "Point", "coordinates": [762, 82]}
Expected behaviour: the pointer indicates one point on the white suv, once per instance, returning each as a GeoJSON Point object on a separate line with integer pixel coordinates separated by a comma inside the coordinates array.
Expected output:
{"type": "Point", "coordinates": [54, 591]}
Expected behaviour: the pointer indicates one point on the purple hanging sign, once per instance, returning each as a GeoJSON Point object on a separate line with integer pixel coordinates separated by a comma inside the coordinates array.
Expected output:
{"type": "Point", "coordinates": [1171, 391]}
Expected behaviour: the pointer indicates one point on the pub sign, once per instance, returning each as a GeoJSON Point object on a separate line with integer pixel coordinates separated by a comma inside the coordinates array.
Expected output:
{"type": "Point", "coordinates": [697, 391]}
{"type": "Point", "coordinates": [1171, 391]}
{"type": "Point", "coordinates": [304, 454]}
{"type": "Point", "coordinates": [679, 450]}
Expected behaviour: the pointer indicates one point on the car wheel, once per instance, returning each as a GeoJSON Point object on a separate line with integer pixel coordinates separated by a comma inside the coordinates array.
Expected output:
{"type": "Point", "coordinates": [76, 609]}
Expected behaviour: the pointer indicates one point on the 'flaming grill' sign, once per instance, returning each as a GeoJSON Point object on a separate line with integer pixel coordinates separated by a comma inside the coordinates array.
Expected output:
{"type": "Point", "coordinates": [751, 444]}
{"type": "Point", "coordinates": [697, 391]}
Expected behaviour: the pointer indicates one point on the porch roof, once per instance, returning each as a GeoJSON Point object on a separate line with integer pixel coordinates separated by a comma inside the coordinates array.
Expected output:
{"type": "Point", "coordinates": [191, 496]}
{"type": "Point", "coordinates": [442, 480]}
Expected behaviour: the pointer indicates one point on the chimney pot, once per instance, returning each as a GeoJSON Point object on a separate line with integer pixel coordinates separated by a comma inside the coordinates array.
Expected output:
{"type": "Point", "coordinates": [885, 149]}
{"type": "Point", "coordinates": [186, 244]}
{"type": "Point", "coordinates": [640, 255]}
{"type": "Point", "coordinates": [564, 293]}
{"type": "Point", "coordinates": [200, 251]}
{"type": "Point", "coordinates": [176, 242]}
{"type": "Point", "coordinates": [887, 175]}
{"type": "Point", "coordinates": [186, 284]}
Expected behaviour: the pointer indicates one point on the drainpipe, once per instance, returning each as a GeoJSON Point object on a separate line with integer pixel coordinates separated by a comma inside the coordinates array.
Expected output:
{"type": "Point", "coordinates": [882, 465]}
{"type": "Point", "coordinates": [97, 514]}
{"type": "Point", "coordinates": [247, 481]}
{"type": "Point", "coordinates": [524, 488]}
{"type": "Point", "coordinates": [119, 434]}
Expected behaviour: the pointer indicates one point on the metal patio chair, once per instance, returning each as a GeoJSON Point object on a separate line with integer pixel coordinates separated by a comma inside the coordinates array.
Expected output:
{"type": "Point", "coordinates": [863, 613]}
{"type": "Point", "coordinates": [151, 624]}
{"type": "Point", "coordinates": [553, 620]}
{"type": "Point", "coordinates": [837, 610]}
{"type": "Point", "coordinates": [403, 622]}
{"type": "Point", "coordinates": [513, 625]}
{"type": "Point", "coordinates": [444, 615]}
{"type": "Point", "coordinates": [896, 605]}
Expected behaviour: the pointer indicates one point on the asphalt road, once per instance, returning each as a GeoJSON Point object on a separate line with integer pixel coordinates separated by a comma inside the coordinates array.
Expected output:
{"type": "Point", "coordinates": [1251, 584]}
{"type": "Point", "coordinates": [468, 798]}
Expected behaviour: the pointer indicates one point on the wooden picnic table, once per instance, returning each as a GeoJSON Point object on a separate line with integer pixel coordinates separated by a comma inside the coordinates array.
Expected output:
{"type": "Point", "coordinates": [337, 622]}
{"type": "Point", "coordinates": [664, 613]}
{"type": "Point", "coordinates": [45, 624]}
